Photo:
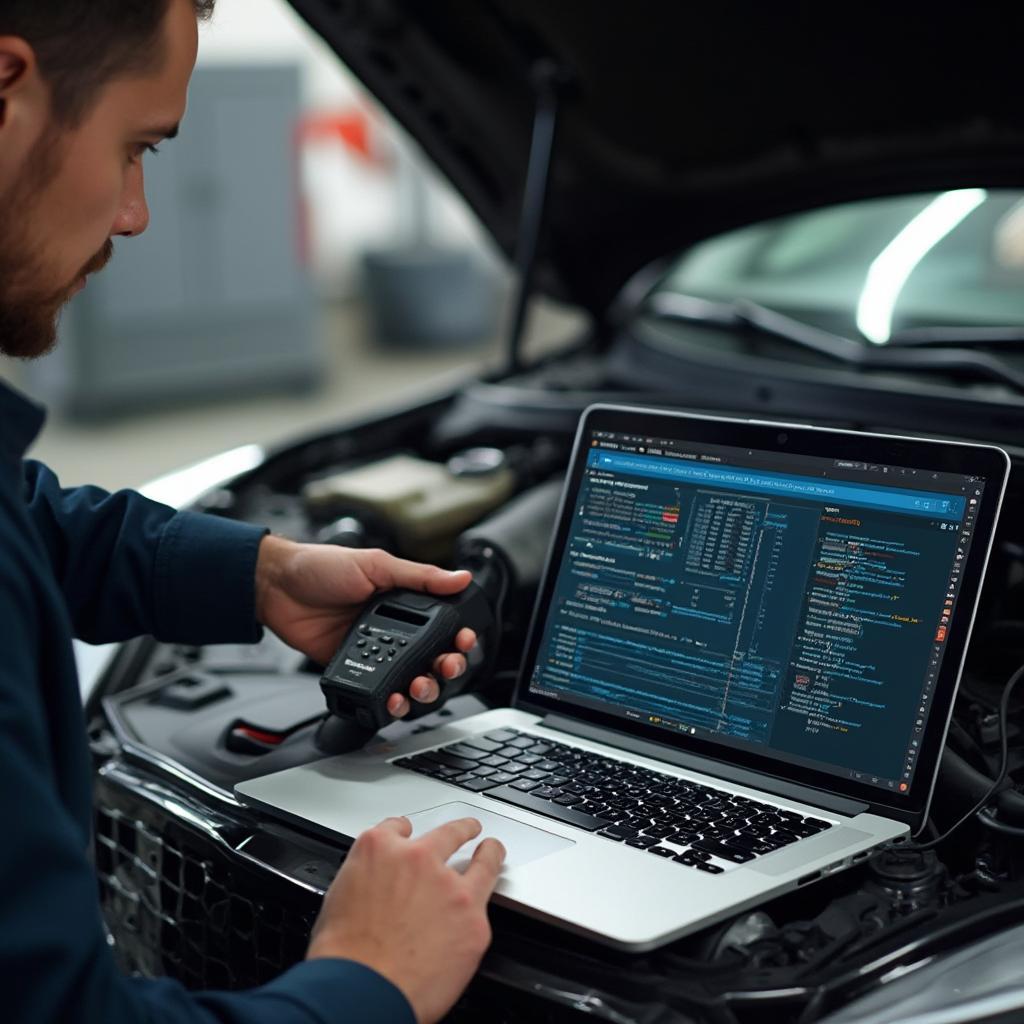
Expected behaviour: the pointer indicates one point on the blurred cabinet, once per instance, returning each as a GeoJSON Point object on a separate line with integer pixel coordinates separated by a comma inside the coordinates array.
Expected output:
{"type": "Point", "coordinates": [214, 299]}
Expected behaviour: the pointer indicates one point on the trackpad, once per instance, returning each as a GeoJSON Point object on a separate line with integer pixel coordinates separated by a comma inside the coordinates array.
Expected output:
{"type": "Point", "coordinates": [522, 843]}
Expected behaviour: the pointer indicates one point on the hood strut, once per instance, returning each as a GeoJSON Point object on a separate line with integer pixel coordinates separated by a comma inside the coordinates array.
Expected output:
{"type": "Point", "coordinates": [545, 77]}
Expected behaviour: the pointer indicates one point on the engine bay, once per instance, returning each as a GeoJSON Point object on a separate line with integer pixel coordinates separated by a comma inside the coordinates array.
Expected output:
{"type": "Point", "coordinates": [198, 887]}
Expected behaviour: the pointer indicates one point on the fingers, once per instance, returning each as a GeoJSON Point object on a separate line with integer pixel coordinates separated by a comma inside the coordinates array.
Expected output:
{"type": "Point", "coordinates": [444, 840]}
{"type": "Point", "coordinates": [399, 826]}
{"type": "Point", "coordinates": [426, 689]}
{"type": "Point", "coordinates": [423, 689]}
{"type": "Point", "coordinates": [398, 705]}
{"type": "Point", "coordinates": [485, 867]}
{"type": "Point", "coordinates": [386, 572]}
{"type": "Point", "coordinates": [449, 666]}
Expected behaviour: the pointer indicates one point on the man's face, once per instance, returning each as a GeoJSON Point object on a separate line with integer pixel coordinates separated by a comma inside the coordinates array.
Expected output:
{"type": "Point", "coordinates": [66, 192]}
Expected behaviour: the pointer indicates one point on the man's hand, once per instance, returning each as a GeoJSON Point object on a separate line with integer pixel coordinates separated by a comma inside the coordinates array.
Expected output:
{"type": "Point", "coordinates": [398, 908]}
{"type": "Point", "coordinates": [310, 594]}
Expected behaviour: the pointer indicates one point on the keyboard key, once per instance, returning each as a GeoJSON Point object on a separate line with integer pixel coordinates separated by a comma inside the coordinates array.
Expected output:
{"type": "Point", "coordinates": [463, 750]}
{"type": "Point", "coordinates": [758, 847]}
{"type": "Point", "coordinates": [619, 832]}
{"type": "Point", "coordinates": [525, 785]}
{"type": "Point", "coordinates": [417, 763]}
{"type": "Point", "coordinates": [465, 777]}
{"type": "Point", "coordinates": [547, 766]}
{"type": "Point", "coordinates": [483, 771]}
{"type": "Point", "coordinates": [450, 760]}
{"type": "Point", "coordinates": [501, 735]}
{"type": "Point", "coordinates": [513, 768]}
{"type": "Point", "coordinates": [546, 792]}
{"type": "Point", "coordinates": [508, 752]}
{"type": "Point", "coordinates": [477, 785]}
{"type": "Point", "coordinates": [568, 799]}
{"type": "Point", "coordinates": [724, 852]}
{"type": "Point", "coordinates": [546, 808]}
{"type": "Point", "coordinates": [501, 778]}
{"type": "Point", "coordinates": [817, 823]}
{"type": "Point", "coordinates": [711, 869]}
{"type": "Point", "coordinates": [783, 837]}
{"type": "Point", "coordinates": [540, 748]}
{"type": "Point", "coordinates": [642, 842]}
{"type": "Point", "coordinates": [536, 775]}
{"type": "Point", "coordinates": [801, 829]}
{"type": "Point", "coordinates": [480, 743]}
{"type": "Point", "coordinates": [659, 831]}
{"type": "Point", "coordinates": [495, 762]}
{"type": "Point", "coordinates": [661, 851]}
{"type": "Point", "coordinates": [522, 742]}
{"type": "Point", "coordinates": [529, 759]}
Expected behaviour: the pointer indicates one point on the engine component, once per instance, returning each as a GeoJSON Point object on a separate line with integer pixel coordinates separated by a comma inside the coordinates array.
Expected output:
{"type": "Point", "coordinates": [425, 503]}
{"type": "Point", "coordinates": [519, 534]}
{"type": "Point", "coordinates": [910, 879]}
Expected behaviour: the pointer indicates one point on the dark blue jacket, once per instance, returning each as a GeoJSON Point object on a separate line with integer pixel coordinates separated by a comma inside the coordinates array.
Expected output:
{"type": "Point", "coordinates": [106, 567]}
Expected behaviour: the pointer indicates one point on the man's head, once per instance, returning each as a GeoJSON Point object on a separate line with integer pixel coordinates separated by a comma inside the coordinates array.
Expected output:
{"type": "Point", "coordinates": [86, 88]}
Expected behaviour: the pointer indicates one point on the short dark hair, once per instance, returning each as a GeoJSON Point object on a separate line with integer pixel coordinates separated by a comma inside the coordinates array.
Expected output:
{"type": "Point", "coordinates": [82, 45]}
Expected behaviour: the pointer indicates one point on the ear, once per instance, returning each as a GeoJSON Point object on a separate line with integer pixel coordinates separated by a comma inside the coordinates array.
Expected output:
{"type": "Point", "coordinates": [18, 67]}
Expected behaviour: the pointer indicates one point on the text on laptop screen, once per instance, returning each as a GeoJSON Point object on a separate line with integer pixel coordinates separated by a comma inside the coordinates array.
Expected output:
{"type": "Point", "coordinates": [792, 605]}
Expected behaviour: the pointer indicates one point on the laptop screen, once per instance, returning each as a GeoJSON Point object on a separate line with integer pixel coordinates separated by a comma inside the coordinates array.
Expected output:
{"type": "Point", "coordinates": [791, 605]}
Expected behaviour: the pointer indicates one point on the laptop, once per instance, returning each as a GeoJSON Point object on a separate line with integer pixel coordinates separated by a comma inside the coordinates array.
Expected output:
{"type": "Point", "coordinates": [738, 678]}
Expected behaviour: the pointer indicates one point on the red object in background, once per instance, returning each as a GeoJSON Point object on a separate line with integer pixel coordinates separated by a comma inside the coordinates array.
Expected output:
{"type": "Point", "coordinates": [350, 127]}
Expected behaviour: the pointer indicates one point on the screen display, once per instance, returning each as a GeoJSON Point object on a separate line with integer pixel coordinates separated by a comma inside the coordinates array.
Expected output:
{"type": "Point", "coordinates": [791, 605]}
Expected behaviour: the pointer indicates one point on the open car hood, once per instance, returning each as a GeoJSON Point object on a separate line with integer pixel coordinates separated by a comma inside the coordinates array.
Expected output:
{"type": "Point", "coordinates": [678, 121]}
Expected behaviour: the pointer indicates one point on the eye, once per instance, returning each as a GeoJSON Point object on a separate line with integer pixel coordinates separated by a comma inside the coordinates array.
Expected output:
{"type": "Point", "coordinates": [139, 150]}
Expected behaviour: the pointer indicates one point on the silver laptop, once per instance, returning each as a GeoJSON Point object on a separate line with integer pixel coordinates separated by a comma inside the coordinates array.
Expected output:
{"type": "Point", "coordinates": [738, 680]}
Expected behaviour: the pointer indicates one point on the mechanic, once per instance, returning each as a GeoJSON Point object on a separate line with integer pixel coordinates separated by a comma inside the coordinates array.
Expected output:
{"type": "Point", "coordinates": [86, 88]}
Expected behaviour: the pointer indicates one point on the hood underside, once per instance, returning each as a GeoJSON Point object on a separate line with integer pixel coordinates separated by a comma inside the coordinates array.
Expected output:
{"type": "Point", "coordinates": [678, 121]}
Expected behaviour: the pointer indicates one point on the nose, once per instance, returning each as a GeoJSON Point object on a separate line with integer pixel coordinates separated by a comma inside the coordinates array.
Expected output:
{"type": "Point", "coordinates": [133, 216]}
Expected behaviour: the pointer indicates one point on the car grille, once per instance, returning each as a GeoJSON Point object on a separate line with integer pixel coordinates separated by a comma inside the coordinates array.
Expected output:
{"type": "Point", "coordinates": [178, 905]}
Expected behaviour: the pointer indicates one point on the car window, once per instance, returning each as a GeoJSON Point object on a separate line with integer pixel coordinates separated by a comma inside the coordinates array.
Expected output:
{"type": "Point", "coordinates": [874, 268]}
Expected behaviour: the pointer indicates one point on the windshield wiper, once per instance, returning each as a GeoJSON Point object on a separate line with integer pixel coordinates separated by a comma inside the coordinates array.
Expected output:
{"type": "Point", "coordinates": [744, 314]}
{"type": "Point", "coordinates": [965, 337]}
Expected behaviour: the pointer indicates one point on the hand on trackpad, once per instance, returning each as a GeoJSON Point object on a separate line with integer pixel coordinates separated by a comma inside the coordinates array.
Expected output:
{"type": "Point", "coordinates": [522, 843]}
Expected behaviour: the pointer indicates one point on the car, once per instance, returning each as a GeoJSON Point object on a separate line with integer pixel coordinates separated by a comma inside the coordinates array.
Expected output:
{"type": "Point", "coordinates": [764, 211]}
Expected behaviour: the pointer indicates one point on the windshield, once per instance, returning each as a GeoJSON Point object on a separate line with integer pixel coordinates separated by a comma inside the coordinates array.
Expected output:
{"type": "Point", "coordinates": [872, 269]}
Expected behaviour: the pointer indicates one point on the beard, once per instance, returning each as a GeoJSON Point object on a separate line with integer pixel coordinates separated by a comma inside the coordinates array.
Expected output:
{"type": "Point", "coordinates": [29, 314]}
{"type": "Point", "coordinates": [28, 322]}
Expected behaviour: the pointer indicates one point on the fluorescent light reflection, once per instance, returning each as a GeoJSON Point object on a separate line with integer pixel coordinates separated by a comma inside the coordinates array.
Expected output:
{"type": "Point", "coordinates": [892, 267]}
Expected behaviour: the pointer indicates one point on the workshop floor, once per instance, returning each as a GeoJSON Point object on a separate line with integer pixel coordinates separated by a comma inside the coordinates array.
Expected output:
{"type": "Point", "coordinates": [128, 452]}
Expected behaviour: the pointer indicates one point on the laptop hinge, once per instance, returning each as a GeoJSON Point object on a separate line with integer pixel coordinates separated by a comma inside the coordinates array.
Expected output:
{"type": "Point", "coordinates": [742, 776]}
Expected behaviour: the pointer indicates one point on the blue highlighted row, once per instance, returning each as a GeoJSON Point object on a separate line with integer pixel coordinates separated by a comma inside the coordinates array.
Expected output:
{"type": "Point", "coordinates": [918, 503]}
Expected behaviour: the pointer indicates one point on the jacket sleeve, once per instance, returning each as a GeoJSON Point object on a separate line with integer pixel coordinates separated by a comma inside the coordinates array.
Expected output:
{"type": "Point", "coordinates": [55, 963]}
{"type": "Point", "coordinates": [129, 566]}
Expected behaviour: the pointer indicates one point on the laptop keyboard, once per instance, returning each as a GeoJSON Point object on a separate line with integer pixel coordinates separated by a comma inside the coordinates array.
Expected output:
{"type": "Point", "coordinates": [669, 817]}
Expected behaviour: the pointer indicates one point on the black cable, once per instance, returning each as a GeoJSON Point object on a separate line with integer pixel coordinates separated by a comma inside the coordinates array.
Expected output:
{"type": "Point", "coordinates": [1004, 762]}
{"type": "Point", "coordinates": [989, 820]}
